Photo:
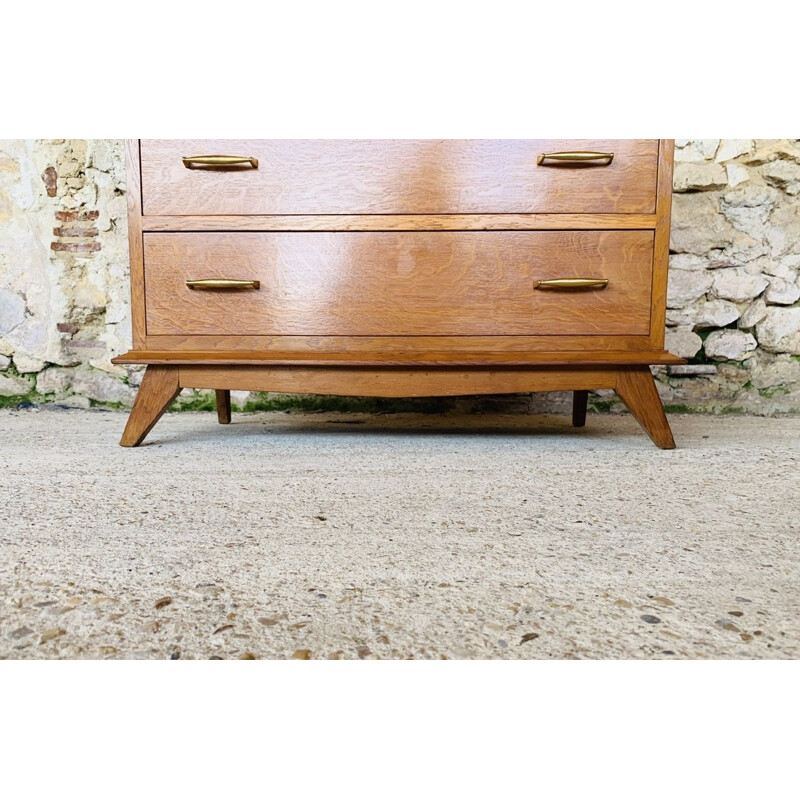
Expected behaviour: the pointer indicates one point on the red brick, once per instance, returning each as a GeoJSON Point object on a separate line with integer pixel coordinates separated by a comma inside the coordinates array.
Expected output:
{"type": "Point", "coordinates": [50, 178]}
{"type": "Point", "coordinates": [75, 232]}
{"type": "Point", "coordinates": [75, 247]}
{"type": "Point", "coordinates": [76, 216]}
{"type": "Point", "coordinates": [67, 327]}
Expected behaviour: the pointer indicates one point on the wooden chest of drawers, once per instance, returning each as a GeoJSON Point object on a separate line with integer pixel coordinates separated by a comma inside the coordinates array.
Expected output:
{"type": "Point", "coordinates": [399, 268]}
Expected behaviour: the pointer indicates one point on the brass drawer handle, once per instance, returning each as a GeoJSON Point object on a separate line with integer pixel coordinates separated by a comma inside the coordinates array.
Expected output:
{"type": "Point", "coordinates": [222, 283]}
{"type": "Point", "coordinates": [584, 157]}
{"type": "Point", "coordinates": [218, 161]}
{"type": "Point", "coordinates": [573, 283]}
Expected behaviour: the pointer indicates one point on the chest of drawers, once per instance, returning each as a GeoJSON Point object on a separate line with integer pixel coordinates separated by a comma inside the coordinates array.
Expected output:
{"type": "Point", "coordinates": [399, 268]}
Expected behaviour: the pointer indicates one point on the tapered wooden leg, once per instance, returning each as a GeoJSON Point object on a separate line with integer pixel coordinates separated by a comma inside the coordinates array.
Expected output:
{"type": "Point", "coordinates": [579, 402]}
{"type": "Point", "coordinates": [159, 388]}
{"type": "Point", "coordinates": [223, 406]}
{"type": "Point", "coordinates": [637, 389]}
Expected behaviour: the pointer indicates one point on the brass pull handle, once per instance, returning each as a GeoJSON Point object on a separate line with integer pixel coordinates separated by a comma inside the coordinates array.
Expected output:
{"type": "Point", "coordinates": [573, 283]}
{"type": "Point", "coordinates": [218, 161]}
{"type": "Point", "coordinates": [222, 283]}
{"type": "Point", "coordinates": [584, 157]}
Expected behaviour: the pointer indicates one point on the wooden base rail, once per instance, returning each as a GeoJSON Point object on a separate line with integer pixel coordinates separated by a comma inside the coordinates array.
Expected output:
{"type": "Point", "coordinates": [161, 384]}
{"type": "Point", "coordinates": [400, 359]}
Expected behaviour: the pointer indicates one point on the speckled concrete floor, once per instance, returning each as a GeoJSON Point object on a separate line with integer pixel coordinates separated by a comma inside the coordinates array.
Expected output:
{"type": "Point", "coordinates": [330, 536]}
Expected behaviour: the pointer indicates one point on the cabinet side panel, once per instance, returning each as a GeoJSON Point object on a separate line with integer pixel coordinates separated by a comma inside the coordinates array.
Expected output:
{"type": "Point", "coordinates": [661, 255]}
{"type": "Point", "coordinates": [134, 192]}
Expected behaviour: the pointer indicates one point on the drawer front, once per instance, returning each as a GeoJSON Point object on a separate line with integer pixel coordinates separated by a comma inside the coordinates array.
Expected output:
{"type": "Point", "coordinates": [398, 176]}
{"type": "Point", "coordinates": [448, 283]}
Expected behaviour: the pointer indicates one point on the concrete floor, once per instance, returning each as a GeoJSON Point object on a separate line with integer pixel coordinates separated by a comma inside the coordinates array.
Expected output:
{"type": "Point", "coordinates": [330, 536]}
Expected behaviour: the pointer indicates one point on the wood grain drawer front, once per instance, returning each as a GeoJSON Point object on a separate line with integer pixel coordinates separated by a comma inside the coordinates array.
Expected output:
{"type": "Point", "coordinates": [449, 283]}
{"type": "Point", "coordinates": [397, 176]}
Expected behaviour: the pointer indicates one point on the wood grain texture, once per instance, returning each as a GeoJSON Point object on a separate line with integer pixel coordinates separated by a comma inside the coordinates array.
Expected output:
{"type": "Point", "coordinates": [420, 359]}
{"type": "Point", "coordinates": [396, 382]}
{"type": "Point", "coordinates": [400, 284]}
{"type": "Point", "coordinates": [637, 389]}
{"type": "Point", "coordinates": [398, 176]}
{"type": "Point", "coordinates": [661, 253]}
{"type": "Point", "coordinates": [159, 388]}
{"type": "Point", "coordinates": [580, 400]}
{"type": "Point", "coordinates": [403, 222]}
{"type": "Point", "coordinates": [134, 199]}
{"type": "Point", "coordinates": [399, 344]}
{"type": "Point", "coordinates": [431, 247]}
{"type": "Point", "coordinates": [223, 406]}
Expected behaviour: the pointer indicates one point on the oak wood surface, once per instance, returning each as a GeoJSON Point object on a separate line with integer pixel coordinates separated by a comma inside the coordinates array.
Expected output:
{"type": "Point", "coordinates": [159, 388]}
{"type": "Point", "coordinates": [368, 345]}
{"type": "Point", "coordinates": [401, 222]}
{"type": "Point", "coordinates": [661, 253]}
{"type": "Point", "coordinates": [397, 176]}
{"type": "Point", "coordinates": [490, 199]}
{"type": "Point", "coordinates": [580, 401]}
{"type": "Point", "coordinates": [396, 382]}
{"type": "Point", "coordinates": [440, 359]}
{"type": "Point", "coordinates": [399, 284]}
{"type": "Point", "coordinates": [223, 406]}
{"type": "Point", "coordinates": [134, 200]}
{"type": "Point", "coordinates": [634, 385]}
{"type": "Point", "coordinates": [637, 389]}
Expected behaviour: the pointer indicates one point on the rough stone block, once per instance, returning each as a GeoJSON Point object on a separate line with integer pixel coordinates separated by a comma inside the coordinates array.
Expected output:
{"type": "Point", "coordinates": [753, 314]}
{"type": "Point", "coordinates": [733, 148]}
{"type": "Point", "coordinates": [688, 261]}
{"type": "Point", "coordinates": [698, 226]}
{"type": "Point", "coordinates": [781, 292]}
{"type": "Point", "coordinates": [738, 285]}
{"type": "Point", "coordinates": [682, 342]}
{"type": "Point", "coordinates": [692, 370]}
{"type": "Point", "coordinates": [783, 174]}
{"type": "Point", "coordinates": [694, 150]}
{"type": "Point", "coordinates": [704, 314]}
{"type": "Point", "coordinates": [699, 177]}
{"type": "Point", "coordinates": [102, 387]}
{"type": "Point", "coordinates": [770, 371]}
{"type": "Point", "coordinates": [27, 364]}
{"type": "Point", "coordinates": [753, 196]}
{"type": "Point", "coordinates": [11, 385]}
{"type": "Point", "coordinates": [729, 344]}
{"type": "Point", "coordinates": [779, 331]}
{"type": "Point", "coordinates": [686, 287]}
{"type": "Point", "coordinates": [54, 380]}
{"type": "Point", "coordinates": [736, 174]}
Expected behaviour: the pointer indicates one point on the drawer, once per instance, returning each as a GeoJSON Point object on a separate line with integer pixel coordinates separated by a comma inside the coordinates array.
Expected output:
{"type": "Point", "coordinates": [448, 283]}
{"type": "Point", "coordinates": [398, 176]}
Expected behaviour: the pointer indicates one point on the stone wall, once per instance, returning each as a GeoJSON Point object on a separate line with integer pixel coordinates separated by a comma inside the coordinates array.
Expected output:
{"type": "Point", "coordinates": [64, 293]}
{"type": "Point", "coordinates": [734, 294]}
{"type": "Point", "coordinates": [735, 276]}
